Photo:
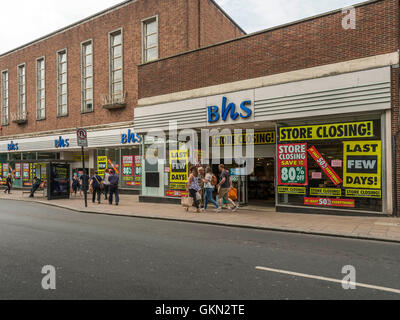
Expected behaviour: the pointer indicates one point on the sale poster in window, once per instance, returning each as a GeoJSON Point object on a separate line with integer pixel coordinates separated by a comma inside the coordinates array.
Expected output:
{"type": "Point", "coordinates": [127, 168]}
{"type": "Point", "coordinates": [17, 171]}
{"type": "Point", "coordinates": [292, 164]}
{"type": "Point", "coordinates": [138, 170]}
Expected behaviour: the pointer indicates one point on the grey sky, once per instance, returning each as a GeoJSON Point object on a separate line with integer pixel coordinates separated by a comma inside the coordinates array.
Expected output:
{"type": "Point", "coordinates": [22, 21]}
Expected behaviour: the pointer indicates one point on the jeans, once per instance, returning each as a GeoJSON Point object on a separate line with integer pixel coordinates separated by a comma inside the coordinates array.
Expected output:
{"type": "Point", "coordinates": [34, 189]}
{"type": "Point", "coordinates": [106, 190]}
{"type": "Point", "coordinates": [193, 194]}
{"type": "Point", "coordinates": [96, 190]}
{"type": "Point", "coordinates": [114, 190]}
{"type": "Point", "coordinates": [208, 197]}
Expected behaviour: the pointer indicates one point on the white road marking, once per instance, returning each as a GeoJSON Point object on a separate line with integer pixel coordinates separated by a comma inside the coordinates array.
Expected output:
{"type": "Point", "coordinates": [303, 275]}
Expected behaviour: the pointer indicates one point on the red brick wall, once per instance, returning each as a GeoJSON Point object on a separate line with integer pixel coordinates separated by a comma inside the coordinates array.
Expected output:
{"type": "Point", "coordinates": [213, 19]}
{"type": "Point", "coordinates": [174, 32]}
{"type": "Point", "coordinates": [307, 44]}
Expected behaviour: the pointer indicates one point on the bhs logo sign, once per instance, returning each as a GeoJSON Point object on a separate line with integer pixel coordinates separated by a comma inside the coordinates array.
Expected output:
{"type": "Point", "coordinates": [12, 146]}
{"type": "Point", "coordinates": [229, 110]}
{"type": "Point", "coordinates": [61, 143]}
{"type": "Point", "coordinates": [131, 137]}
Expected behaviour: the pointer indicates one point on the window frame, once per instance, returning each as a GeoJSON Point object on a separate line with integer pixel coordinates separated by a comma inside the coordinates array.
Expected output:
{"type": "Point", "coordinates": [110, 62]}
{"type": "Point", "coordinates": [3, 90]}
{"type": "Point", "coordinates": [83, 77]}
{"type": "Point", "coordinates": [144, 37]}
{"type": "Point", "coordinates": [59, 106]}
{"type": "Point", "coordinates": [19, 111]}
{"type": "Point", "coordinates": [38, 97]}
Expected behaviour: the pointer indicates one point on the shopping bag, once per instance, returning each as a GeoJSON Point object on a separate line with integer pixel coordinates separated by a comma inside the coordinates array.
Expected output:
{"type": "Point", "coordinates": [187, 202]}
{"type": "Point", "coordinates": [198, 196]}
{"type": "Point", "coordinates": [233, 195]}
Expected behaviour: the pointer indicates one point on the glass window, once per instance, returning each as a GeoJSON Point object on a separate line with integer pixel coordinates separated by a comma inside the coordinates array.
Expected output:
{"type": "Point", "coordinates": [116, 67]}
{"type": "Point", "coordinates": [150, 40]}
{"type": "Point", "coordinates": [331, 165]}
{"type": "Point", "coordinates": [4, 98]}
{"type": "Point", "coordinates": [21, 114]}
{"type": "Point", "coordinates": [87, 77]}
{"type": "Point", "coordinates": [62, 109]}
{"type": "Point", "coordinates": [40, 90]}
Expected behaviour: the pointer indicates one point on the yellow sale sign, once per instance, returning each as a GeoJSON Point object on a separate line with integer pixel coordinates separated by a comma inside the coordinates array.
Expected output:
{"type": "Point", "coordinates": [362, 164]}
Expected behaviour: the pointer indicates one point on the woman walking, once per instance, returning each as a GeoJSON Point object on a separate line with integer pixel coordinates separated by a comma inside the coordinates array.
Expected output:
{"type": "Point", "coordinates": [75, 184]}
{"type": "Point", "coordinates": [8, 184]}
{"type": "Point", "coordinates": [209, 189]}
{"type": "Point", "coordinates": [194, 187]}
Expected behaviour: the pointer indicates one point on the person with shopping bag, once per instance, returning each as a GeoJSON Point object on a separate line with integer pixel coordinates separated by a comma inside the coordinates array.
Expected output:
{"type": "Point", "coordinates": [193, 188]}
{"type": "Point", "coordinates": [224, 186]}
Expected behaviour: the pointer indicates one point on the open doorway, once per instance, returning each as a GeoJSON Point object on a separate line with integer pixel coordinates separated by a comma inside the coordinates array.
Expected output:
{"type": "Point", "coordinates": [261, 183]}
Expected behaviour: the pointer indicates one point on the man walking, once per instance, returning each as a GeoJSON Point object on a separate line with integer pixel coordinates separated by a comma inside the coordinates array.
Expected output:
{"type": "Point", "coordinates": [8, 184]}
{"type": "Point", "coordinates": [35, 186]}
{"type": "Point", "coordinates": [95, 182]}
{"type": "Point", "coordinates": [224, 187]}
{"type": "Point", "coordinates": [114, 181]}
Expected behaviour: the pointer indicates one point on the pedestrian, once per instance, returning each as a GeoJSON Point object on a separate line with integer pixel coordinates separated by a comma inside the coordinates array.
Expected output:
{"type": "Point", "coordinates": [35, 186]}
{"type": "Point", "coordinates": [224, 186]}
{"type": "Point", "coordinates": [193, 187]}
{"type": "Point", "coordinates": [202, 175]}
{"type": "Point", "coordinates": [75, 184]}
{"type": "Point", "coordinates": [114, 181]}
{"type": "Point", "coordinates": [8, 184]}
{"type": "Point", "coordinates": [208, 190]}
{"type": "Point", "coordinates": [95, 183]}
{"type": "Point", "coordinates": [84, 183]}
{"type": "Point", "coordinates": [106, 183]}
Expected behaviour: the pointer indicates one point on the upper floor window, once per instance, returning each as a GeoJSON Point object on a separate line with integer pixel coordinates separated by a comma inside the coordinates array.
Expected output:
{"type": "Point", "coordinates": [87, 76]}
{"type": "Point", "coordinates": [62, 84]}
{"type": "Point", "coordinates": [4, 99]}
{"type": "Point", "coordinates": [150, 39]}
{"type": "Point", "coordinates": [116, 67]}
{"type": "Point", "coordinates": [21, 91]}
{"type": "Point", "coordinates": [40, 89]}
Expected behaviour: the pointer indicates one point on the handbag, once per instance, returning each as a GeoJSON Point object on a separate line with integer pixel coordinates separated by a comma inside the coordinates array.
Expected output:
{"type": "Point", "coordinates": [198, 196]}
{"type": "Point", "coordinates": [186, 202]}
{"type": "Point", "coordinates": [233, 194]}
{"type": "Point", "coordinates": [101, 186]}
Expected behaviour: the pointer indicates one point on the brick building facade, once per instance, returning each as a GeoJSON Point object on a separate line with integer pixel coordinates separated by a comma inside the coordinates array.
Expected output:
{"type": "Point", "coordinates": [310, 72]}
{"type": "Point", "coordinates": [165, 27]}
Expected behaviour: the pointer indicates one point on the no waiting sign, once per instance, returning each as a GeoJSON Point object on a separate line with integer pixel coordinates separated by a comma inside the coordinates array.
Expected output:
{"type": "Point", "coordinates": [81, 135]}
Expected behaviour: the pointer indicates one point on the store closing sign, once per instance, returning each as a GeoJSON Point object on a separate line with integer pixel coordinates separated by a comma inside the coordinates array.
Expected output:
{"type": "Point", "coordinates": [363, 168]}
{"type": "Point", "coordinates": [179, 166]}
{"type": "Point", "coordinates": [292, 164]}
{"type": "Point", "coordinates": [328, 131]}
{"type": "Point", "coordinates": [325, 166]}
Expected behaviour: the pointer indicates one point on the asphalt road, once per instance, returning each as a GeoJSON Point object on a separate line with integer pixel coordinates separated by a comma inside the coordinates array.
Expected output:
{"type": "Point", "coordinates": [104, 257]}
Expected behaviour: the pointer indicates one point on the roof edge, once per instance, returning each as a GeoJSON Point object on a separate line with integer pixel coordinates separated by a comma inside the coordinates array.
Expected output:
{"type": "Point", "coordinates": [94, 16]}
{"type": "Point", "coordinates": [228, 16]}
{"type": "Point", "coordinates": [356, 5]}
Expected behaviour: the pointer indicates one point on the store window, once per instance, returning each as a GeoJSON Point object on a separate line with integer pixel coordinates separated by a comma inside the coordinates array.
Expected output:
{"type": "Point", "coordinates": [87, 76]}
{"type": "Point", "coordinates": [62, 83]}
{"type": "Point", "coordinates": [40, 89]}
{"type": "Point", "coordinates": [331, 165]}
{"type": "Point", "coordinates": [4, 98]}
{"type": "Point", "coordinates": [21, 92]}
{"type": "Point", "coordinates": [150, 39]}
{"type": "Point", "coordinates": [116, 67]}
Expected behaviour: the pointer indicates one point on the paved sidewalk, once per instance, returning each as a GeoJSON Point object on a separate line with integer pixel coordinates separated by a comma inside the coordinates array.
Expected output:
{"type": "Point", "coordinates": [377, 228]}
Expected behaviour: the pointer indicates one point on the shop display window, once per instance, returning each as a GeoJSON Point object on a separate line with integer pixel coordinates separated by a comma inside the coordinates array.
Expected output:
{"type": "Point", "coordinates": [331, 165]}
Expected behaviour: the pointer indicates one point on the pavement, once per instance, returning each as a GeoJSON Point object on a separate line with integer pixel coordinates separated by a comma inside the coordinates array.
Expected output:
{"type": "Point", "coordinates": [359, 227]}
{"type": "Point", "coordinates": [102, 257]}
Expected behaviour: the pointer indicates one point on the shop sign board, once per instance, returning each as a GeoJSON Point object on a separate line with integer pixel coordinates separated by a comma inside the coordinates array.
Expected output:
{"type": "Point", "coordinates": [101, 165]}
{"type": "Point", "coordinates": [61, 143]}
{"type": "Point", "coordinates": [362, 164]}
{"type": "Point", "coordinates": [179, 166]}
{"type": "Point", "coordinates": [364, 193]}
{"type": "Point", "coordinates": [325, 166]}
{"type": "Point", "coordinates": [326, 202]}
{"type": "Point", "coordinates": [349, 130]}
{"type": "Point", "coordinates": [215, 113]}
{"type": "Point", "coordinates": [292, 190]}
{"type": "Point", "coordinates": [292, 164]}
{"type": "Point", "coordinates": [256, 138]}
{"type": "Point", "coordinates": [327, 192]}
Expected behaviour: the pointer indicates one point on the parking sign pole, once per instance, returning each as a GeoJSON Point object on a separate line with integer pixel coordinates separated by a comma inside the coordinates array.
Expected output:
{"type": "Point", "coordinates": [85, 179]}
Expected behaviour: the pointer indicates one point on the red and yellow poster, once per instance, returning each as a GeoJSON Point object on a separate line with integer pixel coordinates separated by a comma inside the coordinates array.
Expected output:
{"type": "Point", "coordinates": [17, 171]}
{"type": "Point", "coordinates": [326, 202]}
{"type": "Point", "coordinates": [138, 170]}
{"type": "Point", "coordinates": [292, 164]}
{"type": "Point", "coordinates": [127, 168]}
{"type": "Point", "coordinates": [325, 166]}
{"type": "Point", "coordinates": [25, 171]}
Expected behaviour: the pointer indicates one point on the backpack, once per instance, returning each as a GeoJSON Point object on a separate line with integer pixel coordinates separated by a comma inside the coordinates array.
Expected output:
{"type": "Point", "coordinates": [214, 180]}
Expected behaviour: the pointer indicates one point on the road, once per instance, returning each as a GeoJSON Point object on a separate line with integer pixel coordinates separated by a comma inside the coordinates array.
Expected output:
{"type": "Point", "coordinates": [110, 257]}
